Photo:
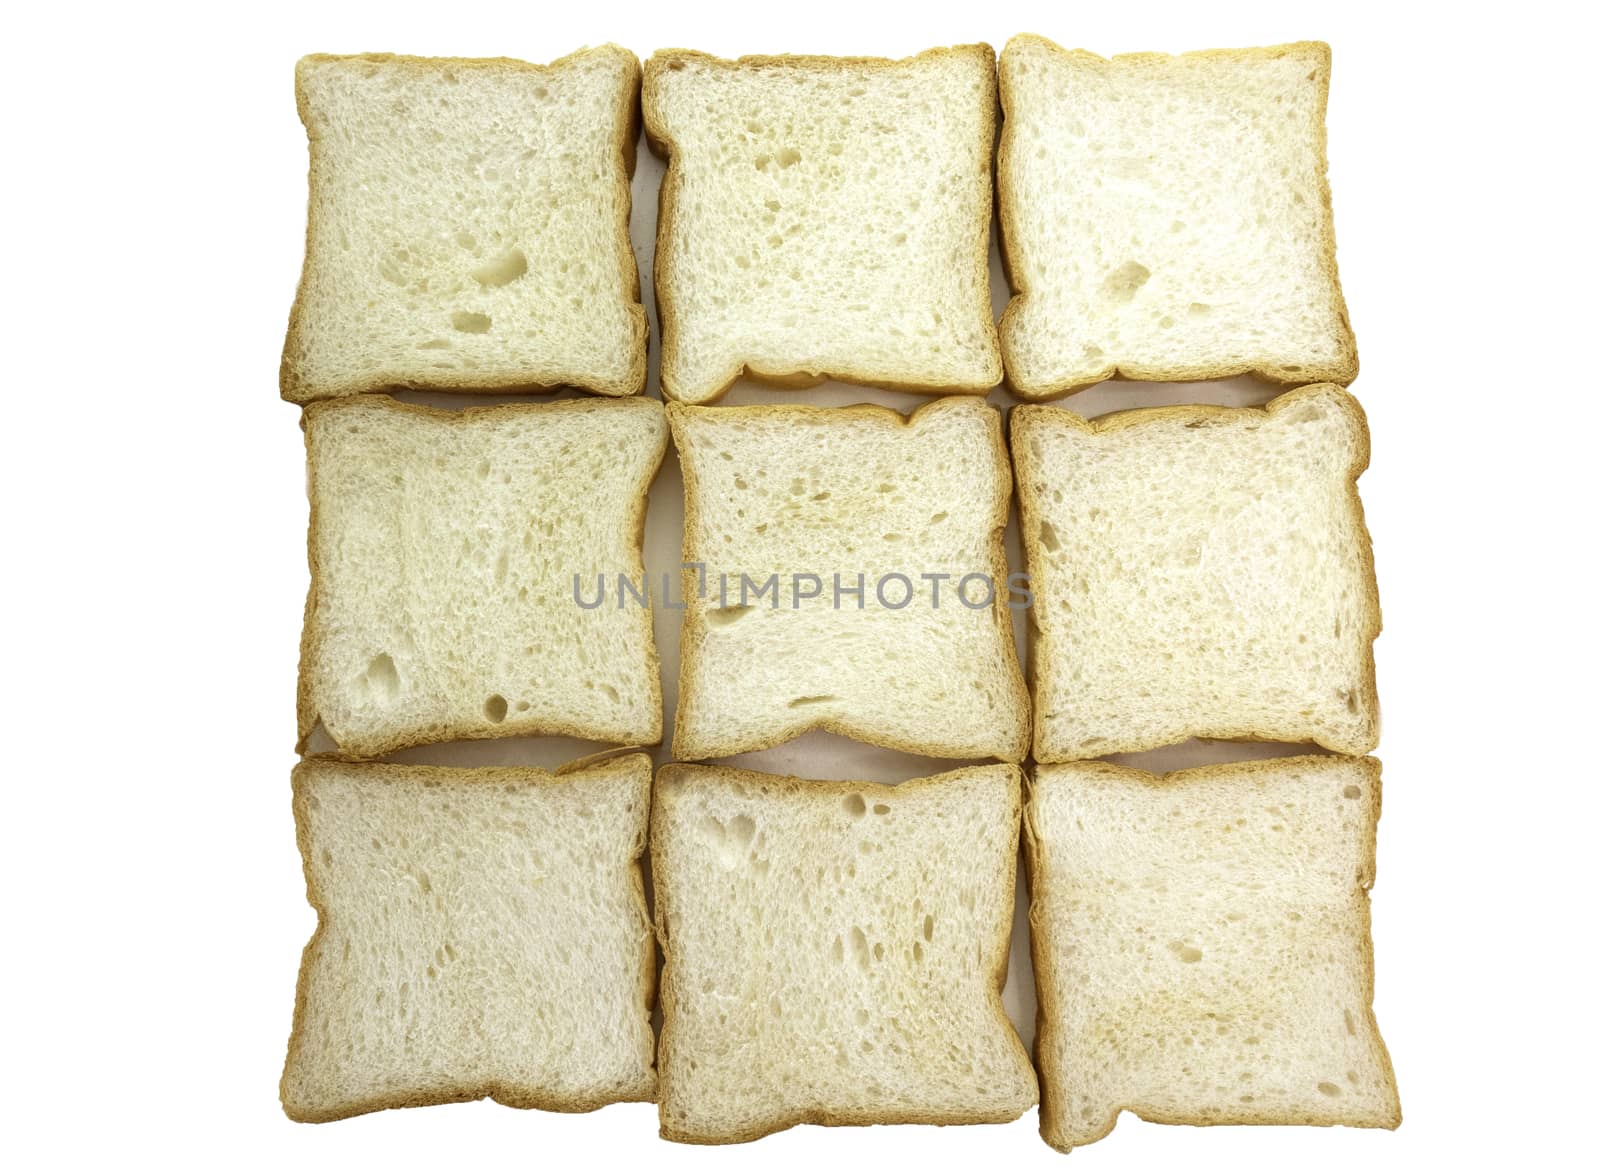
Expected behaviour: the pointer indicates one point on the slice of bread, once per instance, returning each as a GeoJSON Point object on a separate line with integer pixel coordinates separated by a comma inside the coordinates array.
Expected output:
{"type": "Point", "coordinates": [834, 951]}
{"type": "Point", "coordinates": [856, 497]}
{"type": "Point", "coordinates": [480, 933]}
{"type": "Point", "coordinates": [444, 547]}
{"type": "Point", "coordinates": [468, 226]}
{"type": "Point", "coordinates": [1198, 572]}
{"type": "Point", "coordinates": [1201, 943]}
{"type": "Point", "coordinates": [824, 217]}
{"type": "Point", "coordinates": [1168, 218]}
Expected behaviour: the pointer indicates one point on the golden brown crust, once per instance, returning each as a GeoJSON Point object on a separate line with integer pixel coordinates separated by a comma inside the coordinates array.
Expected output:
{"type": "Point", "coordinates": [307, 712]}
{"type": "Point", "coordinates": [1046, 978]}
{"type": "Point", "coordinates": [669, 780]}
{"type": "Point", "coordinates": [1040, 662]}
{"type": "Point", "coordinates": [787, 379]}
{"type": "Point", "coordinates": [689, 746]}
{"type": "Point", "coordinates": [296, 388]}
{"type": "Point", "coordinates": [302, 779]}
{"type": "Point", "coordinates": [1342, 370]}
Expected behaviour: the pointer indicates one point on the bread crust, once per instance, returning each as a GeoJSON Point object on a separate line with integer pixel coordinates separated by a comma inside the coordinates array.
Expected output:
{"type": "Point", "coordinates": [297, 388]}
{"type": "Point", "coordinates": [689, 745]}
{"type": "Point", "coordinates": [1036, 864]}
{"type": "Point", "coordinates": [302, 779]}
{"type": "Point", "coordinates": [670, 779]}
{"type": "Point", "coordinates": [1041, 667]}
{"type": "Point", "coordinates": [1341, 370]}
{"type": "Point", "coordinates": [311, 645]}
{"type": "Point", "coordinates": [665, 275]}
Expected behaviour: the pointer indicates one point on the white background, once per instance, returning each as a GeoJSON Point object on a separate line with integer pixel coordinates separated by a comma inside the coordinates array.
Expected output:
{"type": "Point", "coordinates": [156, 566]}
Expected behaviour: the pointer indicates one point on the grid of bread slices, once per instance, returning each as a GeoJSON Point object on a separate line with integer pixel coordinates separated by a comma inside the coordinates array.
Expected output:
{"type": "Point", "coordinates": [753, 951]}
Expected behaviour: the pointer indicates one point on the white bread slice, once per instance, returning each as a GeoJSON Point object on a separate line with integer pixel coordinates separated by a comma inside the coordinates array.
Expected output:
{"type": "Point", "coordinates": [443, 549]}
{"type": "Point", "coordinates": [1199, 572]}
{"type": "Point", "coordinates": [480, 932]}
{"type": "Point", "coordinates": [1168, 218]}
{"type": "Point", "coordinates": [834, 951]}
{"type": "Point", "coordinates": [824, 217]}
{"type": "Point", "coordinates": [855, 491]}
{"type": "Point", "coordinates": [1202, 947]}
{"type": "Point", "coordinates": [468, 226]}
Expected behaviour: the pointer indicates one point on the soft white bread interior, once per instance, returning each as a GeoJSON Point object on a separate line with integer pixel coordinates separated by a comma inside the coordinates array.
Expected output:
{"type": "Point", "coordinates": [468, 226]}
{"type": "Point", "coordinates": [1168, 217]}
{"type": "Point", "coordinates": [824, 217]}
{"type": "Point", "coordinates": [444, 547]}
{"type": "Point", "coordinates": [1201, 945]}
{"type": "Point", "coordinates": [1198, 571]}
{"type": "Point", "coordinates": [834, 952]}
{"type": "Point", "coordinates": [861, 494]}
{"type": "Point", "coordinates": [481, 932]}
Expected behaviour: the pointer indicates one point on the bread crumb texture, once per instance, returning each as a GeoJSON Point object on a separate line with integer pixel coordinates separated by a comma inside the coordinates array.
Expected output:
{"type": "Point", "coordinates": [1199, 571]}
{"type": "Point", "coordinates": [468, 226]}
{"type": "Point", "coordinates": [824, 217]}
{"type": "Point", "coordinates": [481, 932]}
{"type": "Point", "coordinates": [1168, 217]}
{"type": "Point", "coordinates": [835, 951]}
{"type": "Point", "coordinates": [1201, 945]}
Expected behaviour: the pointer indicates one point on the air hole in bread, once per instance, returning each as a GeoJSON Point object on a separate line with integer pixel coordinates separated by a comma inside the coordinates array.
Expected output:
{"type": "Point", "coordinates": [382, 677]}
{"type": "Point", "coordinates": [855, 805]}
{"type": "Point", "coordinates": [1125, 281]}
{"type": "Point", "coordinates": [858, 948]}
{"type": "Point", "coordinates": [470, 323]}
{"type": "Point", "coordinates": [502, 270]}
{"type": "Point", "coordinates": [803, 701]}
{"type": "Point", "coordinates": [495, 708]}
{"type": "Point", "coordinates": [1048, 537]}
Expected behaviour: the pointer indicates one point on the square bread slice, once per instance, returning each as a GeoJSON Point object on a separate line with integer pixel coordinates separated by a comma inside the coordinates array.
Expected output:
{"type": "Point", "coordinates": [824, 217]}
{"type": "Point", "coordinates": [1198, 572]}
{"type": "Point", "coordinates": [480, 933]}
{"type": "Point", "coordinates": [446, 552]}
{"type": "Point", "coordinates": [1202, 947]}
{"type": "Point", "coordinates": [1168, 218]}
{"type": "Point", "coordinates": [854, 580]}
{"type": "Point", "coordinates": [834, 951]}
{"type": "Point", "coordinates": [468, 226]}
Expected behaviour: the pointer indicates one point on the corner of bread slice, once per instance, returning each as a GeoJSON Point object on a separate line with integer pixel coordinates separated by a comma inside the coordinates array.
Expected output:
{"type": "Point", "coordinates": [446, 286]}
{"type": "Point", "coordinates": [726, 842]}
{"type": "Point", "coordinates": [1260, 956]}
{"type": "Point", "coordinates": [442, 851]}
